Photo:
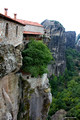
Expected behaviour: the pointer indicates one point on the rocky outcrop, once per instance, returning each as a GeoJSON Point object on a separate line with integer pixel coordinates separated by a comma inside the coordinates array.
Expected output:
{"type": "Point", "coordinates": [10, 63]}
{"type": "Point", "coordinates": [70, 39]}
{"type": "Point", "coordinates": [78, 43]}
{"type": "Point", "coordinates": [10, 59]}
{"type": "Point", "coordinates": [9, 93]}
{"type": "Point", "coordinates": [36, 98]}
{"type": "Point", "coordinates": [21, 97]}
{"type": "Point", "coordinates": [59, 115]}
{"type": "Point", "coordinates": [56, 32]}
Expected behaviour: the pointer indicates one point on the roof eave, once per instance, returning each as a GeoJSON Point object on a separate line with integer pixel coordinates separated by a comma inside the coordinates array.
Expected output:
{"type": "Point", "coordinates": [32, 33]}
{"type": "Point", "coordinates": [10, 19]}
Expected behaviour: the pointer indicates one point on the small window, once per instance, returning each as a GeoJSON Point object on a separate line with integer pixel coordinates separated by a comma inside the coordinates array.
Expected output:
{"type": "Point", "coordinates": [27, 77]}
{"type": "Point", "coordinates": [6, 30]}
{"type": "Point", "coordinates": [16, 31]}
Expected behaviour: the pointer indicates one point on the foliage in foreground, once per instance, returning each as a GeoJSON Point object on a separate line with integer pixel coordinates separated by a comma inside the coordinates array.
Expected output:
{"type": "Point", "coordinates": [36, 58]}
{"type": "Point", "coordinates": [66, 88]}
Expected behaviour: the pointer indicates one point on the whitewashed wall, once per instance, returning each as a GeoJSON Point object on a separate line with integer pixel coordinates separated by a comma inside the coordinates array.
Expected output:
{"type": "Point", "coordinates": [34, 28]}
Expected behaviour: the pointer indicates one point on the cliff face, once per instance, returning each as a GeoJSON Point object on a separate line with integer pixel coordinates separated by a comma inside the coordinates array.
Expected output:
{"type": "Point", "coordinates": [10, 63]}
{"type": "Point", "coordinates": [70, 39]}
{"type": "Point", "coordinates": [78, 43]}
{"type": "Point", "coordinates": [21, 97]}
{"type": "Point", "coordinates": [10, 59]}
{"type": "Point", "coordinates": [36, 98]}
{"type": "Point", "coordinates": [9, 93]}
{"type": "Point", "coordinates": [56, 32]}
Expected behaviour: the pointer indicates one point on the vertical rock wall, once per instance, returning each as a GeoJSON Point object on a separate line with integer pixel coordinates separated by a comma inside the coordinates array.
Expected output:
{"type": "Point", "coordinates": [36, 98]}
{"type": "Point", "coordinates": [10, 63]}
{"type": "Point", "coordinates": [70, 39]}
{"type": "Point", "coordinates": [21, 97]}
{"type": "Point", "coordinates": [57, 46]}
{"type": "Point", "coordinates": [9, 93]}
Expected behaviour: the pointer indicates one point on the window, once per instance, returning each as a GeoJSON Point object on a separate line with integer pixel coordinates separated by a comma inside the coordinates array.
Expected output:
{"type": "Point", "coordinates": [6, 30]}
{"type": "Point", "coordinates": [16, 31]}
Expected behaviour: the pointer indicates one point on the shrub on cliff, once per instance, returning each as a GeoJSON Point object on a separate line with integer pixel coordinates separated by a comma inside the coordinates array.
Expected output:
{"type": "Point", "coordinates": [66, 88]}
{"type": "Point", "coordinates": [36, 58]}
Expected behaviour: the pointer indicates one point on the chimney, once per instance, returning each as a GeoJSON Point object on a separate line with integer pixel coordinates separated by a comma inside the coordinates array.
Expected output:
{"type": "Point", "coordinates": [15, 16]}
{"type": "Point", "coordinates": [5, 11]}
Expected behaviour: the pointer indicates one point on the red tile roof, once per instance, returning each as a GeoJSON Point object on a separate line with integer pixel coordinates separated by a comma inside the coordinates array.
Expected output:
{"type": "Point", "coordinates": [11, 19]}
{"type": "Point", "coordinates": [30, 32]}
{"type": "Point", "coordinates": [30, 23]}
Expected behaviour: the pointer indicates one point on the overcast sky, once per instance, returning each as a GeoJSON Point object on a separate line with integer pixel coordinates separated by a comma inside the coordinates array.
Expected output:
{"type": "Point", "coordinates": [67, 12]}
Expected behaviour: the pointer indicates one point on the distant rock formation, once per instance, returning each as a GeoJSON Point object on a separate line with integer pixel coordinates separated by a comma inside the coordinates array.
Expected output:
{"type": "Point", "coordinates": [56, 32]}
{"type": "Point", "coordinates": [78, 42]}
{"type": "Point", "coordinates": [70, 39]}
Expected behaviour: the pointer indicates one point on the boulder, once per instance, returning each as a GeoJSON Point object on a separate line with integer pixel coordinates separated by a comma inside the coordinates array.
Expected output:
{"type": "Point", "coordinates": [59, 115]}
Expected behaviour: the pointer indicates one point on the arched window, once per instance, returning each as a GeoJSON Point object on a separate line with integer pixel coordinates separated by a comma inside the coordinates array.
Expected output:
{"type": "Point", "coordinates": [16, 31]}
{"type": "Point", "coordinates": [6, 30]}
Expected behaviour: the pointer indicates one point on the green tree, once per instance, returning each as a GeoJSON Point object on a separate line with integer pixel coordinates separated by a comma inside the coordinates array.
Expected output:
{"type": "Point", "coordinates": [36, 58]}
{"type": "Point", "coordinates": [66, 88]}
{"type": "Point", "coordinates": [68, 99]}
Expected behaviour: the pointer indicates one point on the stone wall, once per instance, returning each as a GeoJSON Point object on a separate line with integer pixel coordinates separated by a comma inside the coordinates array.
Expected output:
{"type": "Point", "coordinates": [34, 28]}
{"type": "Point", "coordinates": [11, 38]}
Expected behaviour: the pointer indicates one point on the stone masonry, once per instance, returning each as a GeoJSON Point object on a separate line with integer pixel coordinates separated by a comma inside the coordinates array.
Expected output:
{"type": "Point", "coordinates": [11, 38]}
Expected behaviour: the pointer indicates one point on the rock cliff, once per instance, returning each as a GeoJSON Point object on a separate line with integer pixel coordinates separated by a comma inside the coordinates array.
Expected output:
{"type": "Point", "coordinates": [56, 32]}
{"type": "Point", "coordinates": [36, 98]}
{"type": "Point", "coordinates": [78, 43]}
{"type": "Point", "coordinates": [10, 63]}
{"type": "Point", "coordinates": [70, 39]}
{"type": "Point", "coordinates": [21, 97]}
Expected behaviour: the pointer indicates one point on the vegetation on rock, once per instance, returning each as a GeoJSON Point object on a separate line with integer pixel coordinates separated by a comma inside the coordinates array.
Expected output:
{"type": "Point", "coordinates": [36, 58]}
{"type": "Point", "coordinates": [66, 88]}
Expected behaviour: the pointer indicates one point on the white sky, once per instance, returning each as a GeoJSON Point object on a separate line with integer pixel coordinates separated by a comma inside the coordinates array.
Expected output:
{"type": "Point", "coordinates": [67, 12]}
